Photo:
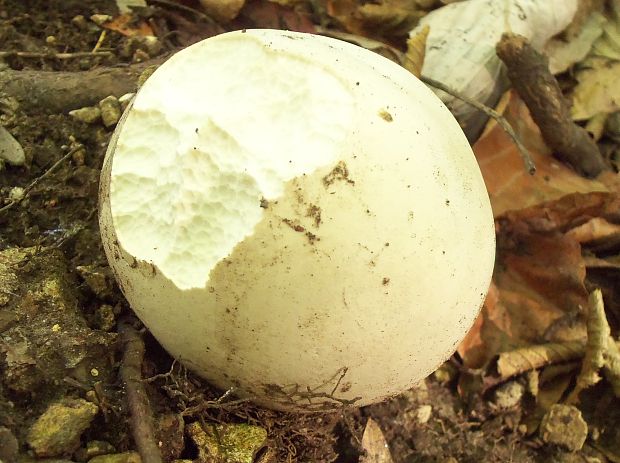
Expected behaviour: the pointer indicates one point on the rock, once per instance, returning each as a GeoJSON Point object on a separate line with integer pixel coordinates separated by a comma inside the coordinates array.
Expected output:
{"type": "Point", "coordinates": [98, 279]}
{"type": "Point", "coordinates": [16, 194]}
{"type": "Point", "coordinates": [94, 448]}
{"type": "Point", "coordinates": [423, 414]}
{"type": "Point", "coordinates": [8, 446]}
{"type": "Point", "coordinates": [563, 425]}
{"type": "Point", "coordinates": [57, 431]}
{"type": "Point", "coordinates": [105, 318]}
{"type": "Point", "coordinates": [125, 99]}
{"type": "Point", "coordinates": [11, 151]}
{"type": "Point", "coordinates": [44, 333]}
{"type": "Point", "coordinates": [509, 394]}
{"type": "Point", "coordinates": [126, 457]}
{"type": "Point", "coordinates": [87, 114]}
{"type": "Point", "coordinates": [110, 111]}
{"type": "Point", "coordinates": [229, 443]}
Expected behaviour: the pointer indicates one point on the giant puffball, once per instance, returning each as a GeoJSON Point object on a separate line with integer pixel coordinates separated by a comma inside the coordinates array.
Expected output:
{"type": "Point", "coordinates": [296, 218]}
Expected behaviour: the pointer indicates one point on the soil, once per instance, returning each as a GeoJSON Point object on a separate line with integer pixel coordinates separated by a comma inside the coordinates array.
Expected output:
{"type": "Point", "coordinates": [64, 302]}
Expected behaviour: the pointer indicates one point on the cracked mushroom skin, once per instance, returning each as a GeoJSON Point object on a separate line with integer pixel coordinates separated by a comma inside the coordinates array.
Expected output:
{"type": "Point", "coordinates": [298, 218]}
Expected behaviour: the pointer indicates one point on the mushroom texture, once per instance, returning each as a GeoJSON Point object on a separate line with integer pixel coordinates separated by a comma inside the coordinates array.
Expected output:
{"type": "Point", "coordinates": [297, 218]}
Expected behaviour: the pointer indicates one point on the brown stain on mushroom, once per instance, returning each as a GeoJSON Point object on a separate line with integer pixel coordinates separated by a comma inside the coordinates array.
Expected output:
{"type": "Point", "coordinates": [340, 172]}
{"type": "Point", "coordinates": [385, 115]}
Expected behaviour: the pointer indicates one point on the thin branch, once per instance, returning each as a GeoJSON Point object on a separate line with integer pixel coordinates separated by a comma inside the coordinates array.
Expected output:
{"type": "Point", "coordinates": [38, 180]}
{"type": "Point", "coordinates": [58, 56]}
{"type": "Point", "coordinates": [501, 120]}
{"type": "Point", "coordinates": [141, 415]}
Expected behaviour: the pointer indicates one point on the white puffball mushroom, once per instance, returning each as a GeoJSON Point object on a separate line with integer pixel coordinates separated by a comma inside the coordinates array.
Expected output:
{"type": "Point", "coordinates": [298, 218]}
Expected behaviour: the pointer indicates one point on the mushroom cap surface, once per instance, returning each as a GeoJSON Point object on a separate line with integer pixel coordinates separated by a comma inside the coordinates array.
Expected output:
{"type": "Point", "coordinates": [298, 218]}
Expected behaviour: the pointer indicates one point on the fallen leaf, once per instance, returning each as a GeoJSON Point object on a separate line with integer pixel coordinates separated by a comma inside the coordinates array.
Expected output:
{"type": "Point", "coordinates": [129, 26]}
{"type": "Point", "coordinates": [374, 444]}
{"type": "Point", "coordinates": [222, 10]}
{"type": "Point", "coordinates": [562, 55]}
{"type": "Point", "coordinates": [270, 15]}
{"type": "Point", "coordinates": [597, 90]}
{"type": "Point", "coordinates": [538, 290]}
{"type": "Point", "coordinates": [509, 185]}
{"type": "Point", "coordinates": [519, 361]}
{"type": "Point", "coordinates": [382, 18]}
{"type": "Point", "coordinates": [416, 48]}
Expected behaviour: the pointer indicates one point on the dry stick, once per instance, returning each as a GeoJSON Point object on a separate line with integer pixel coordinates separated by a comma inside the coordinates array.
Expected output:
{"type": "Point", "coordinates": [501, 120]}
{"type": "Point", "coordinates": [529, 74]}
{"type": "Point", "coordinates": [37, 180]}
{"type": "Point", "coordinates": [59, 56]}
{"type": "Point", "coordinates": [141, 418]}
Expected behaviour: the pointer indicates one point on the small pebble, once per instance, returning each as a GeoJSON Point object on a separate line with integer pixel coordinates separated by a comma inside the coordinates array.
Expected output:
{"type": "Point", "coordinates": [10, 150]}
{"type": "Point", "coordinates": [57, 431]}
{"type": "Point", "coordinates": [100, 19]}
{"type": "Point", "coordinates": [16, 194]}
{"type": "Point", "coordinates": [126, 457]}
{"type": "Point", "coordinates": [87, 114]}
{"type": "Point", "coordinates": [563, 425]}
{"type": "Point", "coordinates": [125, 100]}
{"type": "Point", "coordinates": [509, 394]}
{"type": "Point", "coordinates": [80, 22]}
{"type": "Point", "coordinates": [424, 413]}
{"type": "Point", "coordinates": [110, 111]}
{"type": "Point", "coordinates": [94, 448]}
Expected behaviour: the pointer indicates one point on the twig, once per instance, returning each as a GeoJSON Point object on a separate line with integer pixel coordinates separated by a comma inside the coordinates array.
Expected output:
{"type": "Point", "coordinates": [60, 56]}
{"type": "Point", "coordinates": [528, 71]}
{"type": "Point", "coordinates": [141, 416]}
{"type": "Point", "coordinates": [102, 37]}
{"type": "Point", "coordinates": [501, 120]}
{"type": "Point", "coordinates": [37, 180]}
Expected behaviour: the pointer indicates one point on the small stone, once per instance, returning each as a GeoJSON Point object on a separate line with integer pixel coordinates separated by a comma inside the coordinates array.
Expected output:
{"type": "Point", "coordinates": [10, 150]}
{"type": "Point", "coordinates": [100, 19]}
{"type": "Point", "coordinates": [509, 394]}
{"type": "Point", "coordinates": [423, 414]}
{"type": "Point", "coordinates": [8, 446]}
{"type": "Point", "coordinates": [87, 114]}
{"type": "Point", "coordinates": [125, 100]}
{"type": "Point", "coordinates": [563, 425]}
{"type": "Point", "coordinates": [110, 111]}
{"type": "Point", "coordinates": [16, 194]}
{"type": "Point", "coordinates": [79, 21]}
{"type": "Point", "coordinates": [232, 443]}
{"type": "Point", "coordinates": [94, 448]}
{"type": "Point", "coordinates": [125, 457]}
{"type": "Point", "coordinates": [105, 317]}
{"type": "Point", "coordinates": [57, 431]}
{"type": "Point", "coordinates": [98, 279]}
{"type": "Point", "coordinates": [50, 40]}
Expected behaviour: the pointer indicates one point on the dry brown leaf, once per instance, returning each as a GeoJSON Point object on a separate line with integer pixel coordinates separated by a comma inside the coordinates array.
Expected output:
{"type": "Point", "coordinates": [222, 10]}
{"type": "Point", "coordinates": [270, 15]}
{"type": "Point", "coordinates": [374, 444]}
{"type": "Point", "coordinates": [519, 361]}
{"type": "Point", "coordinates": [510, 186]}
{"type": "Point", "coordinates": [593, 230]}
{"type": "Point", "coordinates": [386, 17]}
{"type": "Point", "coordinates": [597, 90]}
{"type": "Point", "coordinates": [416, 48]}
{"type": "Point", "coordinates": [128, 25]}
{"type": "Point", "coordinates": [538, 285]}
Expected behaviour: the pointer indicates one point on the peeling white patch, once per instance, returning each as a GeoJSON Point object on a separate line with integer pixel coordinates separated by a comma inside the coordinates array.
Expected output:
{"type": "Point", "coordinates": [192, 162]}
